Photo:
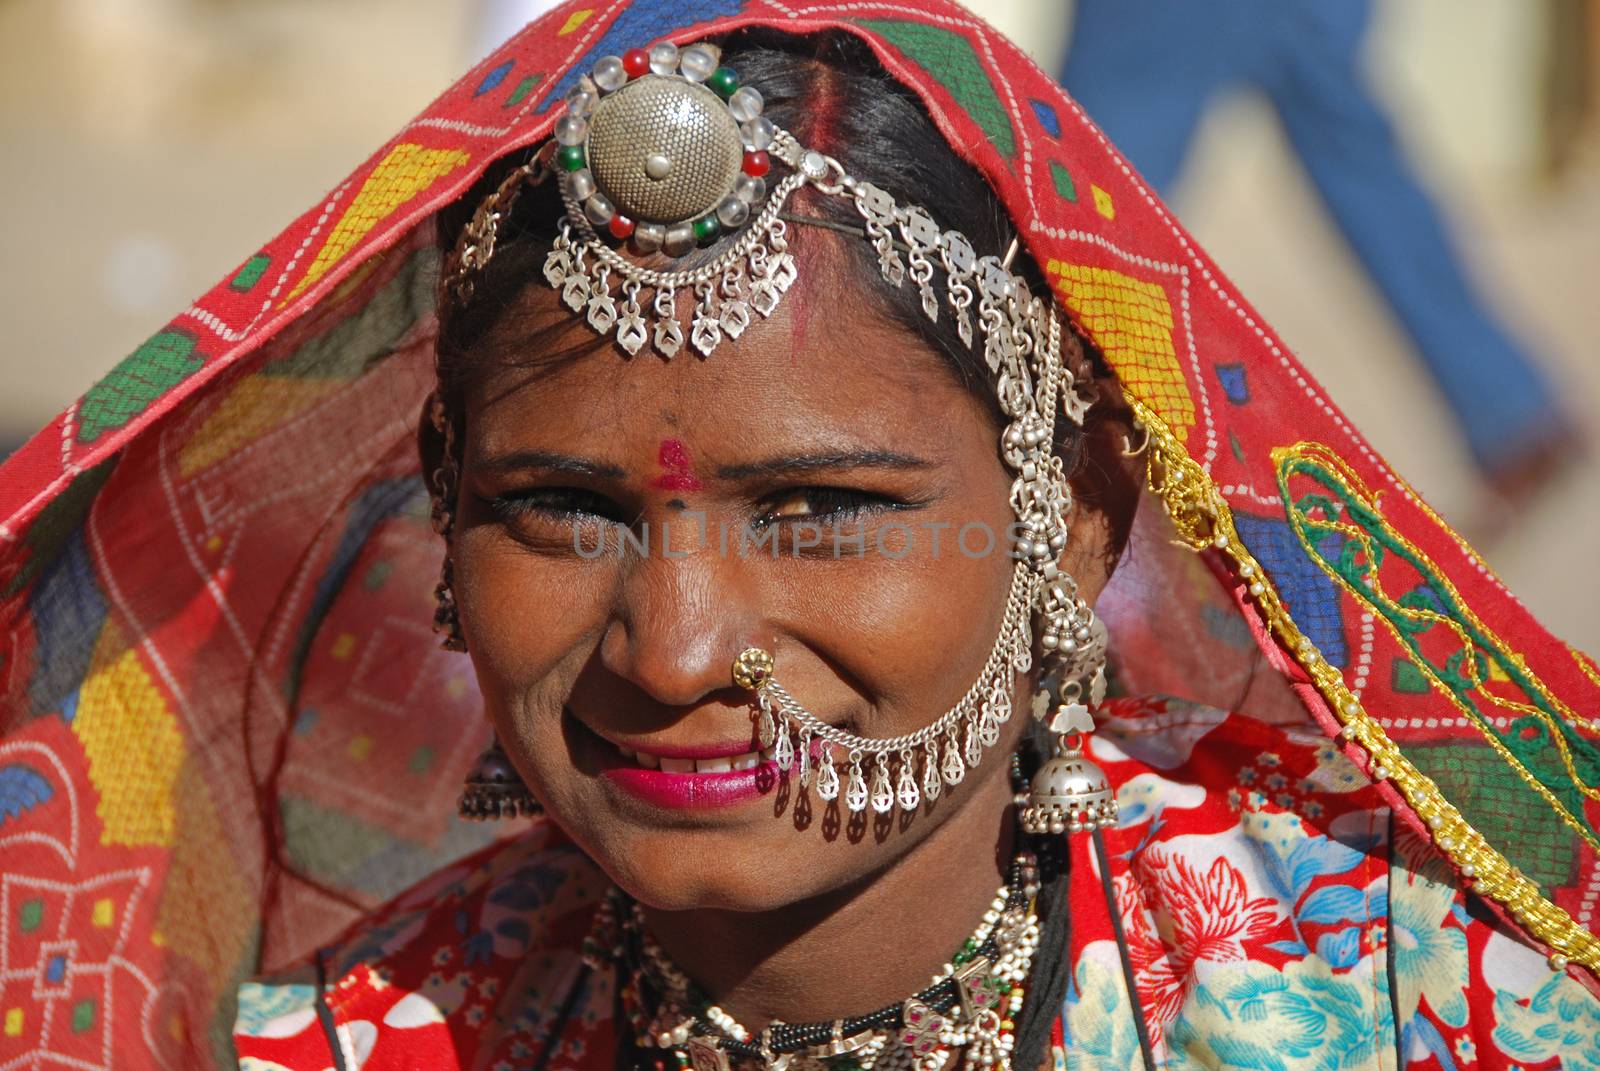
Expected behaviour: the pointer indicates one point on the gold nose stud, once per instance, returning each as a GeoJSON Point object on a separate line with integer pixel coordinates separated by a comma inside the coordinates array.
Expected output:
{"type": "Point", "coordinates": [752, 668]}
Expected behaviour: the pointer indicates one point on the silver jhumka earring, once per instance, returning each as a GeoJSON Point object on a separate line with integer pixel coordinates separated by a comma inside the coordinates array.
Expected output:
{"type": "Point", "coordinates": [1069, 793]}
{"type": "Point", "coordinates": [667, 152]}
{"type": "Point", "coordinates": [494, 789]}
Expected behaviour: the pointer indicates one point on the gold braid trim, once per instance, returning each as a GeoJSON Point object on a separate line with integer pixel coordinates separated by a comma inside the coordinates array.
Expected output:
{"type": "Point", "coordinates": [1204, 520]}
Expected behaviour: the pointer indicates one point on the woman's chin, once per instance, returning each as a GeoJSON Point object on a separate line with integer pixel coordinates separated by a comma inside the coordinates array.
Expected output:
{"type": "Point", "coordinates": [691, 877]}
{"type": "Point", "coordinates": [741, 870]}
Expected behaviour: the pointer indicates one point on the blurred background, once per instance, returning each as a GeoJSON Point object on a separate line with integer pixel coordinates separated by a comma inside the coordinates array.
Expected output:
{"type": "Point", "coordinates": [146, 146]}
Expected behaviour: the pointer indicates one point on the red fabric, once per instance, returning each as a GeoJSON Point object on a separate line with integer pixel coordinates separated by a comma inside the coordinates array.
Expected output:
{"type": "Point", "coordinates": [1259, 884]}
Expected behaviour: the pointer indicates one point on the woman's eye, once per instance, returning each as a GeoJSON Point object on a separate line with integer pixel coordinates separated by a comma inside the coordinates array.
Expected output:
{"type": "Point", "coordinates": [558, 503]}
{"type": "Point", "coordinates": [833, 504]}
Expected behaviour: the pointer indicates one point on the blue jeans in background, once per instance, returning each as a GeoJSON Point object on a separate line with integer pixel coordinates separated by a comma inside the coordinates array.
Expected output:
{"type": "Point", "coordinates": [1146, 70]}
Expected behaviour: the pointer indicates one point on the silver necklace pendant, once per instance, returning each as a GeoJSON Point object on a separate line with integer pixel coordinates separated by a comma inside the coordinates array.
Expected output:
{"type": "Point", "coordinates": [668, 338]}
{"type": "Point", "coordinates": [602, 312]}
{"type": "Point", "coordinates": [952, 771]}
{"type": "Point", "coordinates": [932, 782]}
{"type": "Point", "coordinates": [707, 332]}
{"type": "Point", "coordinates": [922, 1028]}
{"type": "Point", "coordinates": [735, 318]}
{"type": "Point", "coordinates": [575, 290]}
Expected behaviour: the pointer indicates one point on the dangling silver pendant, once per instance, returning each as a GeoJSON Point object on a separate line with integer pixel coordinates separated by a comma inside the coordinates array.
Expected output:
{"type": "Point", "coordinates": [556, 267]}
{"type": "Point", "coordinates": [764, 295]}
{"type": "Point", "coordinates": [952, 769]}
{"type": "Point", "coordinates": [827, 777]}
{"type": "Point", "coordinates": [784, 272]}
{"type": "Point", "coordinates": [803, 756]}
{"type": "Point", "coordinates": [735, 318]}
{"type": "Point", "coordinates": [855, 793]}
{"type": "Point", "coordinates": [906, 794]}
{"type": "Point", "coordinates": [1069, 794]}
{"type": "Point", "coordinates": [882, 795]}
{"type": "Point", "coordinates": [668, 338]}
{"type": "Point", "coordinates": [631, 333]}
{"type": "Point", "coordinates": [575, 291]}
{"type": "Point", "coordinates": [766, 724]}
{"type": "Point", "coordinates": [973, 751]}
{"type": "Point", "coordinates": [602, 311]}
{"type": "Point", "coordinates": [707, 332]}
{"type": "Point", "coordinates": [932, 782]}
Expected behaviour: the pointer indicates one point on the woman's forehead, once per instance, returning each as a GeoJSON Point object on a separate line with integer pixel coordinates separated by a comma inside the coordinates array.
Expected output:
{"type": "Point", "coordinates": [823, 368]}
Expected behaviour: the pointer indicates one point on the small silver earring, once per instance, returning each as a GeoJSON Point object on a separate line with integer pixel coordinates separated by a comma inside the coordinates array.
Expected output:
{"type": "Point", "coordinates": [494, 789]}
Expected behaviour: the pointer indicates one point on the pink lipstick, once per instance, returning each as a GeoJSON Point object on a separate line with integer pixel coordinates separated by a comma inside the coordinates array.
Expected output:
{"type": "Point", "coordinates": [693, 777]}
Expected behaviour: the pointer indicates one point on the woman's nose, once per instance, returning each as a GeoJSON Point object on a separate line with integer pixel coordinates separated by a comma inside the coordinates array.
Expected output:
{"type": "Point", "coordinates": [679, 623]}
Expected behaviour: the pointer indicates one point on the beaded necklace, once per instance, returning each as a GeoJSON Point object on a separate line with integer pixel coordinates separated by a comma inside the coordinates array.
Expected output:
{"type": "Point", "coordinates": [967, 1013]}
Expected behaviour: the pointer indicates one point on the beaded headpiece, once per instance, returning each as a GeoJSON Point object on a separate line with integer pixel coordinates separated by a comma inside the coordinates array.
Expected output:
{"type": "Point", "coordinates": [663, 149]}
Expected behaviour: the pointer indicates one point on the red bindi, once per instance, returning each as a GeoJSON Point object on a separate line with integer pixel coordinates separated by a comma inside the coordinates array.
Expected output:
{"type": "Point", "coordinates": [676, 472]}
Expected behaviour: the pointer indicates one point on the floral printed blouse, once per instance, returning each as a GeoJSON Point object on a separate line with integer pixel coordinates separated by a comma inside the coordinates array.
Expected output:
{"type": "Point", "coordinates": [1264, 911]}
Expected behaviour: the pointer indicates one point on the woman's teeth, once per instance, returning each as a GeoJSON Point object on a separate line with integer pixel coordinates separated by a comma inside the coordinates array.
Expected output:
{"type": "Point", "coordinates": [727, 764]}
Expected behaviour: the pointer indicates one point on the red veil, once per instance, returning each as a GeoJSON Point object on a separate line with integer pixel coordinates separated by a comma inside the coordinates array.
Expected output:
{"type": "Point", "coordinates": [227, 727]}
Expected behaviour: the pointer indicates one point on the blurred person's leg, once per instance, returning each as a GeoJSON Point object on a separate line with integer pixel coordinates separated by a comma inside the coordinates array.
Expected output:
{"type": "Point", "coordinates": [1146, 70]}
{"type": "Point", "coordinates": [1500, 398]}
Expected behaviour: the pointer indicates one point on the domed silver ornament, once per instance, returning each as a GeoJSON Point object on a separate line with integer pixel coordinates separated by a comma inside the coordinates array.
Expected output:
{"type": "Point", "coordinates": [664, 150]}
{"type": "Point", "coordinates": [661, 147]}
{"type": "Point", "coordinates": [649, 150]}
{"type": "Point", "coordinates": [1069, 794]}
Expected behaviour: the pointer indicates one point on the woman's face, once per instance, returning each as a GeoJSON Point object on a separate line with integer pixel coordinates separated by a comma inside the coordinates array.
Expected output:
{"type": "Point", "coordinates": [821, 488]}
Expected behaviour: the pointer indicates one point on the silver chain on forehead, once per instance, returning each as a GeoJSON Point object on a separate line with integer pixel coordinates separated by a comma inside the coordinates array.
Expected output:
{"type": "Point", "coordinates": [672, 156]}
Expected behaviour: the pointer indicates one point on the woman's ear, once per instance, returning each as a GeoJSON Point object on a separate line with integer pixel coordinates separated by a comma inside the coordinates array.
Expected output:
{"type": "Point", "coordinates": [430, 444]}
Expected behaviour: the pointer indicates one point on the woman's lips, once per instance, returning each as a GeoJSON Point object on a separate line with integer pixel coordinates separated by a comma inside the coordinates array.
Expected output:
{"type": "Point", "coordinates": [692, 778]}
{"type": "Point", "coordinates": [700, 777]}
{"type": "Point", "coordinates": [693, 791]}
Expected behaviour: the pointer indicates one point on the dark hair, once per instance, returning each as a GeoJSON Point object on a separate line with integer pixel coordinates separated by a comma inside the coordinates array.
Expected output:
{"type": "Point", "coordinates": [831, 93]}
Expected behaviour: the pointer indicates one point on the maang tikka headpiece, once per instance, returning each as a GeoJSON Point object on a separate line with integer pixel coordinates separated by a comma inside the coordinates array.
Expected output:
{"type": "Point", "coordinates": [664, 149]}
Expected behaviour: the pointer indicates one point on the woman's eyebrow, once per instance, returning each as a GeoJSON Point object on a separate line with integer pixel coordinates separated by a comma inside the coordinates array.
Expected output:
{"type": "Point", "coordinates": [793, 464]}
{"type": "Point", "coordinates": [551, 461]}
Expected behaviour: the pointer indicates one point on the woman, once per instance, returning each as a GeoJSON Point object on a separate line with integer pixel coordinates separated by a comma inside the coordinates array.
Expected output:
{"type": "Point", "coordinates": [784, 380]}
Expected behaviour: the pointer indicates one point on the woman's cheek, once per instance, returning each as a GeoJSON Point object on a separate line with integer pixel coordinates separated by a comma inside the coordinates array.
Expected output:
{"type": "Point", "coordinates": [914, 631]}
{"type": "Point", "coordinates": [523, 614]}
